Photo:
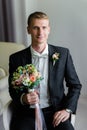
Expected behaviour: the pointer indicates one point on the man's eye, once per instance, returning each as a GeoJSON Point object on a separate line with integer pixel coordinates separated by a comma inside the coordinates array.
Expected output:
{"type": "Point", "coordinates": [35, 27]}
{"type": "Point", "coordinates": [44, 27]}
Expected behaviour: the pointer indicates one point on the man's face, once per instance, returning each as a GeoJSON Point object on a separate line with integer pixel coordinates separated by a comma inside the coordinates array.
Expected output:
{"type": "Point", "coordinates": [39, 30]}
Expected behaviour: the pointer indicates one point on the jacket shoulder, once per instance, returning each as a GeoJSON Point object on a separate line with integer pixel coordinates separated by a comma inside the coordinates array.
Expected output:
{"type": "Point", "coordinates": [21, 52]}
{"type": "Point", "coordinates": [59, 48]}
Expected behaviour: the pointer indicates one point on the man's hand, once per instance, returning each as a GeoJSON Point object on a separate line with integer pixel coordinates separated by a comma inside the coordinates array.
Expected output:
{"type": "Point", "coordinates": [30, 98]}
{"type": "Point", "coordinates": [60, 116]}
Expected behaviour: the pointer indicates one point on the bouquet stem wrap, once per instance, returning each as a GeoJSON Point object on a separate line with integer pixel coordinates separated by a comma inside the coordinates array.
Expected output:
{"type": "Point", "coordinates": [38, 120]}
{"type": "Point", "coordinates": [39, 117]}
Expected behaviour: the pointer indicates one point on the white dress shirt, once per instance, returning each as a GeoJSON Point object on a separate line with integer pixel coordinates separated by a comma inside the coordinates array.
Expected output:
{"type": "Point", "coordinates": [40, 60]}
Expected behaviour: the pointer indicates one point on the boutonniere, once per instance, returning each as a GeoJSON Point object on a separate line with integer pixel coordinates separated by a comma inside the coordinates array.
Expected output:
{"type": "Point", "coordinates": [55, 57]}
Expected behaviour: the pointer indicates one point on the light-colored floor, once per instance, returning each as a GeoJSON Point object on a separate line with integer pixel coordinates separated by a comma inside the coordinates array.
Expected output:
{"type": "Point", "coordinates": [81, 116]}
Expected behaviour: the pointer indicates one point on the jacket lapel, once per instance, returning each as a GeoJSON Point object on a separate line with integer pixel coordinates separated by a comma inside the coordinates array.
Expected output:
{"type": "Point", "coordinates": [50, 66]}
{"type": "Point", "coordinates": [52, 69]}
{"type": "Point", "coordinates": [28, 55]}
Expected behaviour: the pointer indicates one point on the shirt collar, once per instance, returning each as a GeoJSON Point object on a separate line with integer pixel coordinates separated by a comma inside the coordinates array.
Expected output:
{"type": "Point", "coordinates": [37, 53]}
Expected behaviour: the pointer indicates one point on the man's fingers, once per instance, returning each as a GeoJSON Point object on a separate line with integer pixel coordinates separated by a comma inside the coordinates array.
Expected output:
{"type": "Point", "coordinates": [59, 117]}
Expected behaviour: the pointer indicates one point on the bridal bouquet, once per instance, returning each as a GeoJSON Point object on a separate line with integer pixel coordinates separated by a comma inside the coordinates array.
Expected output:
{"type": "Point", "coordinates": [27, 77]}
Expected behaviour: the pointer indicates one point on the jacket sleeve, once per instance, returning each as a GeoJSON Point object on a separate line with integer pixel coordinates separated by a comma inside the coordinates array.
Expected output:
{"type": "Point", "coordinates": [15, 60]}
{"type": "Point", "coordinates": [73, 84]}
{"type": "Point", "coordinates": [13, 93]}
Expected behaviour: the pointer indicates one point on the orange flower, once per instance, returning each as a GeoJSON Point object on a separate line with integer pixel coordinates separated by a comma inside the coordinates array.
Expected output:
{"type": "Point", "coordinates": [32, 78]}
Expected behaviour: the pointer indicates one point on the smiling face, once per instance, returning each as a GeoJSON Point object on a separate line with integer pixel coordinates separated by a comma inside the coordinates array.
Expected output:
{"type": "Point", "coordinates": [39, 30]}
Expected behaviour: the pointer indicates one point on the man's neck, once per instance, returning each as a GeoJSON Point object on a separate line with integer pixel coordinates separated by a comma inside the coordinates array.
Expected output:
{"type": "Point", "coordinates": [39, 48]}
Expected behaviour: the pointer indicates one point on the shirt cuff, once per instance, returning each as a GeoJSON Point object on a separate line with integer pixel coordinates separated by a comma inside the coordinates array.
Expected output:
{"type": "Point", "coordinates": [68, 110]}
{"type": "Point", "coordinates": [21, 99]}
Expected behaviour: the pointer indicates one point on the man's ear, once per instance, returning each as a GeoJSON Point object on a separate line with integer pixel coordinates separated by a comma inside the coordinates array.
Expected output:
{"type": "Point", "coordinates": [49, 30]}
{"type": "Point", "coordinates": [28, 30]}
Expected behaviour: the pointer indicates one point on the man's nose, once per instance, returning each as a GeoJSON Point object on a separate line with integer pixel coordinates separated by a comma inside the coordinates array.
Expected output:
{"type": "Point", "coordinates": [40, 31]}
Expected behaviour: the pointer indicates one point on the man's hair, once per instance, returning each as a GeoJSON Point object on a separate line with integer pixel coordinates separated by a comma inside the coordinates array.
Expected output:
{"type": "Point", "coordinates": [36, 15]}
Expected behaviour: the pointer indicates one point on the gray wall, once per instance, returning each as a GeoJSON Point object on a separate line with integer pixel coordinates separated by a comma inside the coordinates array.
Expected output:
{"type": "Point", "coordinates": [68, 20]}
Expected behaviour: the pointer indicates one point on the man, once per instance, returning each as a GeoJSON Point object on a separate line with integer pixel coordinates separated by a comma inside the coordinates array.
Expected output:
{"type": "Point", "coordinates": [55, 104]}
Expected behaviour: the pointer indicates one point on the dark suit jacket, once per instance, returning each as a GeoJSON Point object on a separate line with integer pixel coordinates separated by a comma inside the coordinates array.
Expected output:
{"type": "Point", "coordinates": [62, 70]}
